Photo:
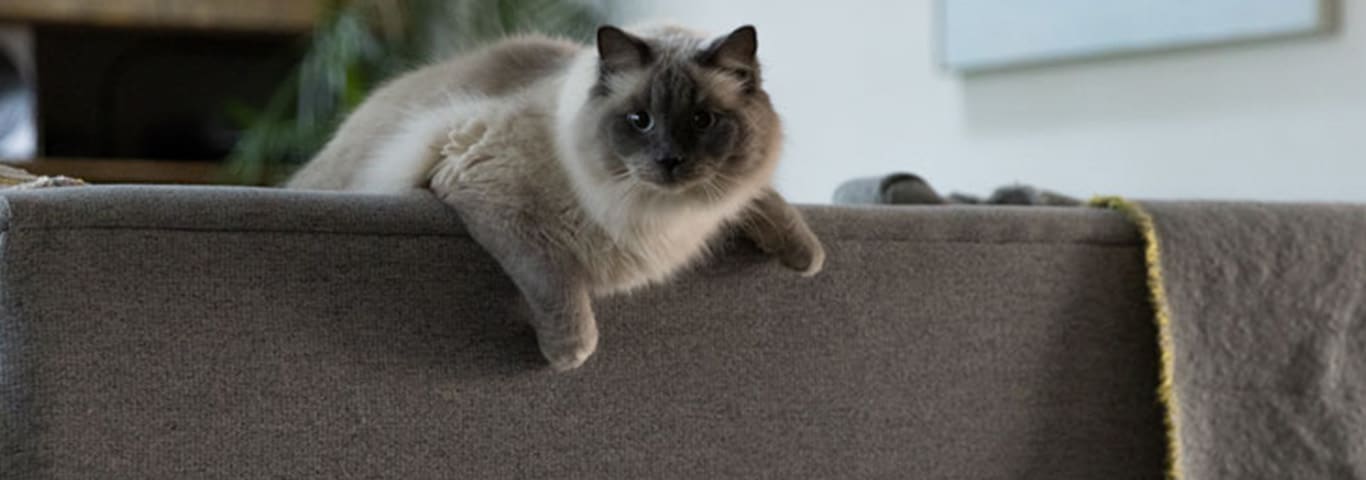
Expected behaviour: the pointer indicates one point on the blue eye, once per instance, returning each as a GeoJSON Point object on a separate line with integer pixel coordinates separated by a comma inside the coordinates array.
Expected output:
{"type": "Point", "coordinates": [703, 120]}
{"type": "Point", "coordinates": [640, 121]}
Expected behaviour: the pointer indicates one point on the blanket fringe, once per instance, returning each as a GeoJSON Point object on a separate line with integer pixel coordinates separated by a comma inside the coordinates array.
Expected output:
{"type": "Point", "coordinates": [1152, 254]}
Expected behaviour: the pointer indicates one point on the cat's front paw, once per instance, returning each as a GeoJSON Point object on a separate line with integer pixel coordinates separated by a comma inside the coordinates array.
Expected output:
{"type": "Point", "coordinates": [569, 352]}
{"type": "Point", "coordinates": [807, 258]}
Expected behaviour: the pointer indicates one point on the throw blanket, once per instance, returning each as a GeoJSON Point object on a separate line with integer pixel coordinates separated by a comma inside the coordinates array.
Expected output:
{"type": "Point", "coordinates": [15, 178]}
{"type": "Point", "coordinates": [1262, 317]}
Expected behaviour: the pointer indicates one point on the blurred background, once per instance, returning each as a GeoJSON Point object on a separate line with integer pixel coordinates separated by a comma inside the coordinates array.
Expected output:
{"type": "Point", "coordinates": [1233, 99]}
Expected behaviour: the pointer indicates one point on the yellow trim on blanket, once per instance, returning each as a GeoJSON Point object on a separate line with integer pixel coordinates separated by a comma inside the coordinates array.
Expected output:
{"type": "Point", "coordinates": [1152, 254]}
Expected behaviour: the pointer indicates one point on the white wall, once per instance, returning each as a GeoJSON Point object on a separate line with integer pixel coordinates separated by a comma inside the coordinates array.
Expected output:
{"type": "Point", "coordinates": [861, 93]}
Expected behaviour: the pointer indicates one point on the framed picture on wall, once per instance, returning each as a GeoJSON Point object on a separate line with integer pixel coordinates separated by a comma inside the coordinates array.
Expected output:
{"type": "Point", "coordinates": [982, 35]}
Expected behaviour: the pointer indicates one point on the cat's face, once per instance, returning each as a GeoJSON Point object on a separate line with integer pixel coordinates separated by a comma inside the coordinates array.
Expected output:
{"type": "Point", "coordinates": [681, 115]}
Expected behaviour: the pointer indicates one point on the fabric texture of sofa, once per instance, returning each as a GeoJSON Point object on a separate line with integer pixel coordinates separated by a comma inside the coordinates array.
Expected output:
{"type": "Point", "coordinates": [202, 332]}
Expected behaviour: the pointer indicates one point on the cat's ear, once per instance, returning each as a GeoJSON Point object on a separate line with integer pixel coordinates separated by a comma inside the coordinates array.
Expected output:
{"type": "Point", "coordinates": [738, 49]}
{"type": "Point", "coordinates": [620, 50]}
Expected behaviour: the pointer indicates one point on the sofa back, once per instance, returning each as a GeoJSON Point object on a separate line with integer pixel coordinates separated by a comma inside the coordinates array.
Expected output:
{"type": "Point", "coordinates": [176, 332]}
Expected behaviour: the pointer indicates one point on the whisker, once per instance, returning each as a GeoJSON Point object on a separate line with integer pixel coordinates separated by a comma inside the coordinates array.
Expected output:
{"type": "Point", "coordinates": [712, 191]}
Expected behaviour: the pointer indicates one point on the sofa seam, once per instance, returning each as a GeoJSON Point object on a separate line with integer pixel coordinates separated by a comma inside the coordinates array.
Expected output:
{"type": "Point", "coordinates": [465, 235]}
{"type": "Point", "coordinates": [233, 230]}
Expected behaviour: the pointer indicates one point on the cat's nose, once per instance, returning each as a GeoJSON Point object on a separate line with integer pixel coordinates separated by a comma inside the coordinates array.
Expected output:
{"type": "Point", "coordinates": [668, 163]}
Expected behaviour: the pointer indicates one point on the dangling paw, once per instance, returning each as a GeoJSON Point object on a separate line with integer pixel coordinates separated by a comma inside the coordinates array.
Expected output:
{"type": "Point", "coordinates": [807, 257]}
{"type": "Point", "coordinates": [568, 352]}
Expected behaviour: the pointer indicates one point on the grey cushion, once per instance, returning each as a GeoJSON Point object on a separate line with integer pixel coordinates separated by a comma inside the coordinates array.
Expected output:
{"type": "Point", "coordinates": [251, 333]}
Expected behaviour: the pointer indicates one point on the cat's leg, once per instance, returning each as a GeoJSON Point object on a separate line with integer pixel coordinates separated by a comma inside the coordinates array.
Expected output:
{"type": "Point", "coordinates": [551, 282]}
{"type": "Point", "coordinates": [777, 228]}
{"type": "Point", "coordinates": [562, 315]}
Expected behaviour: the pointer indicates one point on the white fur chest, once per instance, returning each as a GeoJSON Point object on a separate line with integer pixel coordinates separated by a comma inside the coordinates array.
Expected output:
{"type": "Point", "coordinates": [653, 242]}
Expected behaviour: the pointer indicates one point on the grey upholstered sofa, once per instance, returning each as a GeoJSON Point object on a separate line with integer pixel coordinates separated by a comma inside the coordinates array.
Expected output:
{"type": "Point", "coordinates": [174, 332]}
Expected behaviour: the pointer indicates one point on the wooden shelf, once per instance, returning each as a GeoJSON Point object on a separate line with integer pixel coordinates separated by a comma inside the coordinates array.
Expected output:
{"type": "Point", "coordinates": [218, 15]}
{"type": "Point", "coordinates": [112, 170]}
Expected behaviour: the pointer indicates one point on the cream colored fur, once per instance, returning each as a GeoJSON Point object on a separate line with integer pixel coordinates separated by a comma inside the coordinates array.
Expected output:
{"type": "Point", "coordinates": [505, 137]}
{"type": "Point", "coordinates": [628, 234]}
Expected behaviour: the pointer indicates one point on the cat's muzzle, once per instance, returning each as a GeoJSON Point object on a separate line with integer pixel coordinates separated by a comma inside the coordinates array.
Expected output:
{"type": "Point", "coordinates": [672, 173]}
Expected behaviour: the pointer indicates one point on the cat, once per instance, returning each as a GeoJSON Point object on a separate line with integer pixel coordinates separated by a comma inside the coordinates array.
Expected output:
{"type": "Point", "coordinates": [583, 171]}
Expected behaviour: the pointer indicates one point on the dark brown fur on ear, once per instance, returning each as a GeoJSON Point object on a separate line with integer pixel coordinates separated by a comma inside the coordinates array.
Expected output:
{"type": "Point", "coordinates": [737, 50]}
{"type": "Point", "coordinates": [620, 50]}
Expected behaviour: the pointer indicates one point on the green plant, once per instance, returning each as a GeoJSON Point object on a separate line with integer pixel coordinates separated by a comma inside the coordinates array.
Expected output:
{"type": "Point", "coordinates": [359, 43]}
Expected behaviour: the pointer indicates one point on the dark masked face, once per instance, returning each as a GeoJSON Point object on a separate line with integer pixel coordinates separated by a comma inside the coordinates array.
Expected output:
{"type": "Point", "coordinates": [688, 118]}
{"type": "Point", "coordinates": [671, 133]}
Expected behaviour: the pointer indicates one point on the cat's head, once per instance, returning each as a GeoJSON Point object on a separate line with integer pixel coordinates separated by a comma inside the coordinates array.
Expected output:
{"type": "Point", "coordinates": [683, 114]}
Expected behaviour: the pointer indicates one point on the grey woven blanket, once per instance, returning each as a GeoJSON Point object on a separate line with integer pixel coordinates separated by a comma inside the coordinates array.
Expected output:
{"type": "Point", "coordinates": [1262, 313]}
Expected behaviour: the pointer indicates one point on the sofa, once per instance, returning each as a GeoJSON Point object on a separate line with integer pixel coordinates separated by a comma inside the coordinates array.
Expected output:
{"type": "Point", "coordinates": [152, 332]}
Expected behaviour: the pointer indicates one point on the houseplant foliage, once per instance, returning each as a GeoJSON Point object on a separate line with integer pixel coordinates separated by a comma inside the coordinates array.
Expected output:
{"type": "Point", "coordinates": [357, 45]}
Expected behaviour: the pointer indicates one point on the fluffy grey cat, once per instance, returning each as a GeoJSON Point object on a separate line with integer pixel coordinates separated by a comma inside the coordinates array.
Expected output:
{"type": "Point", "coordinates": [584, 172]}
